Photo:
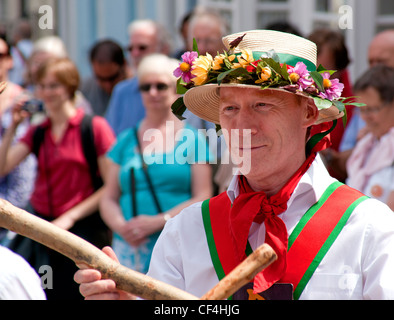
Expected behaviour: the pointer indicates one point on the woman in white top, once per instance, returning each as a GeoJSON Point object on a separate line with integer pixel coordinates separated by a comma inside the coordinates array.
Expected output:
{"type": "Point", "coordinates": [371, 165]}
{"type": "Point", "coordinates": [18, 281]}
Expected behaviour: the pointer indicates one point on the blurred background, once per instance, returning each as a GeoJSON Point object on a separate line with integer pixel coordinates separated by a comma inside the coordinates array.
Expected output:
{"type": "Point", "coordinates": [81, 23]}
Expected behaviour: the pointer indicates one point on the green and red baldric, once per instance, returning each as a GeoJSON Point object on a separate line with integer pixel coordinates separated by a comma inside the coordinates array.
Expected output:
{"type": "Point", "coordinates": [308, 244]}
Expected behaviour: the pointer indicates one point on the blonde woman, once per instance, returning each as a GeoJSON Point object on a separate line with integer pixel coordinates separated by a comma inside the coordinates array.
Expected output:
{"type": "Point", "coordinates": [170, 151]}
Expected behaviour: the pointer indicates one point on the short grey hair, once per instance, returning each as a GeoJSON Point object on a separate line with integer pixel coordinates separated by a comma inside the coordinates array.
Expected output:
{"type": "Point", "coordinates": [158, 63]}
{"type": "Point", "coordinates": [164, 39]}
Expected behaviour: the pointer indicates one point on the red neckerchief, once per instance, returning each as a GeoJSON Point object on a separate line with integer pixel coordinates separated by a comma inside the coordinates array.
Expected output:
{"type": "Point", "coordinates": [251, 206]}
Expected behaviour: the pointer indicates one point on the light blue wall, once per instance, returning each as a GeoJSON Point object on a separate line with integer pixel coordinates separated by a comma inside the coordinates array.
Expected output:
{"type": "Point", "coordinates": [94, 23]}
{"type": "Point", "coordinates": [110, 20]}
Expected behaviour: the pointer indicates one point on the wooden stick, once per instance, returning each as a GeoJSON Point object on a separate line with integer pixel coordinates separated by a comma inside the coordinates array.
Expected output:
{"type": "Point", "coordinates": [85, 254]}
{"type": "Point", "coordinates": [242, 274]}
{"type": "Point", "coordinates": [3, 85]}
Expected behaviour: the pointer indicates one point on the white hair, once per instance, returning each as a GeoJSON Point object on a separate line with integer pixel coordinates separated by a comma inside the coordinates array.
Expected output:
{"type": "Point", "coordinates": [51, 44]}
{"type": "Point", "coordinates": [158, 64]}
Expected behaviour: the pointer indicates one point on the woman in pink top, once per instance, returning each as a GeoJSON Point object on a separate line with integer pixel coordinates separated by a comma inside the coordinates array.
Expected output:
{"type": "Point", "coordinates": [64, 191]}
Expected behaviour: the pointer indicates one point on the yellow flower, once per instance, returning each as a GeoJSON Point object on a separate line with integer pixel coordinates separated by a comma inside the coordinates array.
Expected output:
{"type": "Point", "coordinates": [264, 75]}
{"type": "Point", "coordinates": [294, 77]}
{"type": "Point", "coordinates": [218, 62]}
{"type": "Point", "coordinates": [201, 67]}
{"type": "Point", "coordinates": [245, 59]}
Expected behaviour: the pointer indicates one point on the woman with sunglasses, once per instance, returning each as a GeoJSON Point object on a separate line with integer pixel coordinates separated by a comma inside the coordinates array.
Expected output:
{"type": "Point", "coordinates": [154, 171]}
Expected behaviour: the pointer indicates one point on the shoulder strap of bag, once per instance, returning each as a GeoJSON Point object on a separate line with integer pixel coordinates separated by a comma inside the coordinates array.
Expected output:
{"type": "Point", "coordinates": [89, 150]}
{"type": "Point", "coordinates": [38, 138]}
{"type": "Point", "coordinates": [145, 169]}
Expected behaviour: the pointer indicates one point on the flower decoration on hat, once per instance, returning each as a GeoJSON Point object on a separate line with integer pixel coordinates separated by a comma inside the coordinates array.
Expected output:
{"type": "Point", "coordinates": [266, 71]}
{"type": "Point", "coordinates": [185, 68]}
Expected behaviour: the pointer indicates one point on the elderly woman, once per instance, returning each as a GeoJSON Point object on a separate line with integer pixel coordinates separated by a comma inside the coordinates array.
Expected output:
{"type": "Point", "coordinates": [371, 165]}
{"type": "Point", "coordinates": [170, 151]}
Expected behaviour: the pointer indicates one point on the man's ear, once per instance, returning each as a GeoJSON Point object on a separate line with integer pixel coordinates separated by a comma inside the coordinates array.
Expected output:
{"type": "Point", "coordinates": [9, 63]}
{"type": "Point", "coordinates": [311, 113]}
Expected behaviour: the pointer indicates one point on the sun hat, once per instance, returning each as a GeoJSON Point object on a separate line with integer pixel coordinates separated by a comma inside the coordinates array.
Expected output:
{"type": "Point", "coordinates": [259, 59]}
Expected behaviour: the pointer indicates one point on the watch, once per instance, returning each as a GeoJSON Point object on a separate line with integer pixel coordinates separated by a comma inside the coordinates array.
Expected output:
{"type": "Point", "coordinates": [167, 217]}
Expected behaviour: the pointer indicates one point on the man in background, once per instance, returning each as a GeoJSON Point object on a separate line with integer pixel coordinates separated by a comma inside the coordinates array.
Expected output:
{"type": "Point", "coordinates": [109, 67]}
{"type": "Point", "coordinates": [125, 108]}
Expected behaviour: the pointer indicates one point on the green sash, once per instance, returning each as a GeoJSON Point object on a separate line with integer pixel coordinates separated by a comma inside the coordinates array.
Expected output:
{"type": "Point", "coordinates": [308, 244]}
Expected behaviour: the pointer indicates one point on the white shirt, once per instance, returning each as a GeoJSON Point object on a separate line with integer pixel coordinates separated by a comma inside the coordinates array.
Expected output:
{"type": "Point", "coordinates": [18, 281]}
{"type": "Point", "coordinates": [359, 265]}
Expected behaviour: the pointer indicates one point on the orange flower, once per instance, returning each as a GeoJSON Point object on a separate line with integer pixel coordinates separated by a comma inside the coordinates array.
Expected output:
{"type": "Point", "coordinates": [245, 59]}
{"type": "Point", "coordinates": [264, 75]}
{"type": "Point", "coordinates": [218, 62]}
{"type": "Point", "coordinates": [201, 67]}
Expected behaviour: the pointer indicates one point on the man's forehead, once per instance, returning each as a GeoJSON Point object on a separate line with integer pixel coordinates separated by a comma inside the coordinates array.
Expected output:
{"type": "Point", "coordinates": [143, 35]}
{"type": "Point", "coordinates": [231, 94]}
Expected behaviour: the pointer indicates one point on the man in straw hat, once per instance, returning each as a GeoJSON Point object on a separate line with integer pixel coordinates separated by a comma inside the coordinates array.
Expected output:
{"type": "Point", "coordinates": [332, 242]}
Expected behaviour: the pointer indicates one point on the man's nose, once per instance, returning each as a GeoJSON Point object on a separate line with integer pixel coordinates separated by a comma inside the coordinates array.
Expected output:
{"type": "Point", "coordinates": [247, 121]}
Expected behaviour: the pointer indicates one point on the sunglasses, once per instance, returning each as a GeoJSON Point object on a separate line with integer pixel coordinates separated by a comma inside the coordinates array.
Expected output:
{"type": "Point", "coordinates": [140, 48]}
{"type": "Point", "coordinates": [372, 110]}
{"type": "Point", "coordinates": [109, 78]}
{"type": "Point", "coordinates": [159, 87]}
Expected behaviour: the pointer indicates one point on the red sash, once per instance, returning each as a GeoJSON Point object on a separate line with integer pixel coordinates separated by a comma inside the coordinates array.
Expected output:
{"type": "Point", "coordinates": [308, 244]}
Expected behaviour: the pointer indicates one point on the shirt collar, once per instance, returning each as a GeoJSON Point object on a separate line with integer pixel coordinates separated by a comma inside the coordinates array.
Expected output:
{"type": "Point", "coordinates": [74, 121]}
{"type": "Point", "coordinates": [77, 119]}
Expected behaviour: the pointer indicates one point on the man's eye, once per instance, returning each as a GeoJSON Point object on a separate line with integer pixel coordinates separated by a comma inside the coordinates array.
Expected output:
{"type": "Point", "coordinates": [263, 106]}
{"type": "Point", "coordinates": [228, 108]}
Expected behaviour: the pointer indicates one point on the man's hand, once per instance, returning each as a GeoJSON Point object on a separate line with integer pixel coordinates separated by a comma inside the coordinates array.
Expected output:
{"type": "Point", "coordinates": [93, 287]}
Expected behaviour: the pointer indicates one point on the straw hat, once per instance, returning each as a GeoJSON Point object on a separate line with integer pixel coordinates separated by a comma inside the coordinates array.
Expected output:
{"type": "Point", "coordinates": [245, 51]}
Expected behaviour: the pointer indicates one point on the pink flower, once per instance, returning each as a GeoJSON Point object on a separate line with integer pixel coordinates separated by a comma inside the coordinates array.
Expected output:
{"type": "Point", "coordinates": [333, 88]}
{"type": "Point", "coordinates": [299, 75]}
{"type": "Point", "coordinates": [185, 67]}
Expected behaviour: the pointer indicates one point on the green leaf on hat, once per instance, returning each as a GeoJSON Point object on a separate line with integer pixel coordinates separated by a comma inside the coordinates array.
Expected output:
{"type": "Point", "coordinates": [321, 69]}
{"type": "Point", "coordinates": [234, 73]}
{"type": "Point", "coordinates": [275, 66]}
{"type": "Point", "coordinates": [318, 79]}
{"type": "Point", "coordinates": [322, 103]}
{"type": "Point", "coordinates": [339, 104]}
{"type": "Point", "coordinates": [180, 87]}
{"type": "Point", "coordinates": [195, 46]}
{"type": "Point", "coordinates": [179, 108]}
